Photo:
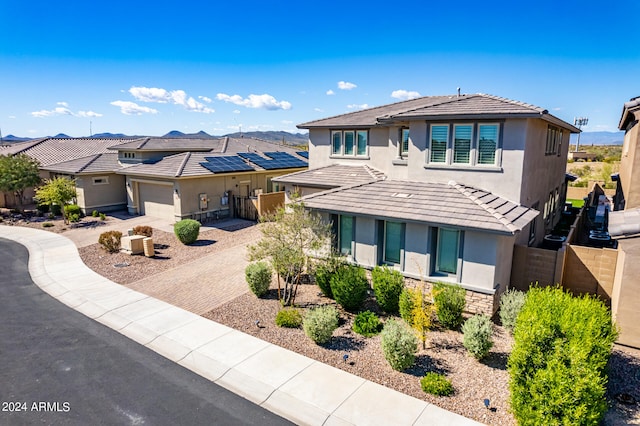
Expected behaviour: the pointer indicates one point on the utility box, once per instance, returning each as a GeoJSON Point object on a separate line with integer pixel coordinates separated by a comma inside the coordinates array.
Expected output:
{"type": "Point", "coordinates": [132, 244]}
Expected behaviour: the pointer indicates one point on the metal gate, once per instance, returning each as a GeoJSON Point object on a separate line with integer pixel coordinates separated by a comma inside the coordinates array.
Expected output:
{"type": "Point", "coordinates": [244, 208]}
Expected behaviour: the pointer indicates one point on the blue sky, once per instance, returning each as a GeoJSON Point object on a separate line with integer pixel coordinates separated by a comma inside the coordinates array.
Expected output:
{"type": "Point", "coordinates": [147, 68]}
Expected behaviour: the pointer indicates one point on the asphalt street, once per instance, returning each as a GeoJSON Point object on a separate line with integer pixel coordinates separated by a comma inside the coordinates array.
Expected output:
{"type": "Point", "coordinates": [59, 367]}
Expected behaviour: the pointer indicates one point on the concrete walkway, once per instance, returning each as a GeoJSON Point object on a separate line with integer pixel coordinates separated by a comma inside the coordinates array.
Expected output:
{"type": "Point", "coordinates": [298, 388]}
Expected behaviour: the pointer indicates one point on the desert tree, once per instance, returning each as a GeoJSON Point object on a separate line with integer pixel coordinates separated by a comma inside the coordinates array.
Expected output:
{"type": "Point", "coordinates": [59, 190]}
{"type": "Point", "coordinates": [289, 237]}
{"type": "Point", "coordinates": [17, 173]}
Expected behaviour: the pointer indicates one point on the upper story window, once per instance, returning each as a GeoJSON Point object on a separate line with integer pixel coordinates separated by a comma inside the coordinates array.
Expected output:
{"type": "Point", "coordinates": [554, 140]}
{"type": "Point", "coordinates": [349, 143]}
{"type": "Point", "coordinates": [439, 138]}
{"type": "Point", "coordinates": [404, 142]}
{"type": "Point", "coordinates": [129, 155]}
{"type": "Point", "coordinates": [464, 144]}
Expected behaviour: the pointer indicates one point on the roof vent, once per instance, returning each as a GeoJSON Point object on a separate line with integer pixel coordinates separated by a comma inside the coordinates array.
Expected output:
{"type": "Point", "coordinates": [402, 195]}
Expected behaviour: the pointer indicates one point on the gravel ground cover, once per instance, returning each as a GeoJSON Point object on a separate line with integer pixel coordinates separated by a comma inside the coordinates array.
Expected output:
{"type": "Point", "coordinates": [472, 380]}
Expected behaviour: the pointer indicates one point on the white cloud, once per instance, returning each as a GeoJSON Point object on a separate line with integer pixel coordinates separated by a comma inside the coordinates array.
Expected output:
{"type": "Point", "coordinates": [358, 106]}
{"type": "Point", "coordinates": [12, 116]}
{"type": "Point", "coordinates": [318, 109]}
{"type": "Point", "coordinates": [330, 92]}
{"type": "Point", "coordinates": [236, 111]}
{"type": "Point", "coordinates": [264, 101]}
{"type": "Point", "coordinates": [287, 122]}
{"type": "Point", "coordinates": [131, 108]}
{"type": "Point", "coordinates": [88, 114]}
{"type": "Point", "coordinates": [55, 111]}
{"type": "Point", "coordinates": [404, 94]}
{"type": "Point", "coordinates": [345, 85]}
{"type": "Point", "coordinates": [64, 104]}
{"type": "Point", "coordinates": [162, 96]}
{"type": "Point", "coordinates": [205, 99]}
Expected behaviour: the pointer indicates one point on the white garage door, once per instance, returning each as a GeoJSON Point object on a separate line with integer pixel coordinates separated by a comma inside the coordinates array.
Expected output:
{"type": "Point", "coordinates": [156, 200]}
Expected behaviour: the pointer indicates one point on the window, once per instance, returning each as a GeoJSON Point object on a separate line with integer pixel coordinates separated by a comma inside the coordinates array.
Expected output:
{"type": "Point", "coordinates": [439, 138]}
{"type": "Point", "coordinates": [101, 180]}
{"type": "Point", "coordinates": [393, 242]}
{"type": "Point", "coordinates": [447, 251]}
{"type": "Point", "coordinates": [487, 143]}
{"type": "Point", "coordinates": [349, 143]}
{"type": "Point", "coordinates": [345, 234]}
{"type": "Point", "coordinates": [404, 142]}
{"type": "Point", "coordinates": [336, 148]}
{"type": "Point", "coordinates": [554, 140]}
{"type": "Point", "coordinates": [462, 144]}
{"type": "Point", "coordinates": [532, 224]}
{"type": "Point", "coordinates": [362, 137]}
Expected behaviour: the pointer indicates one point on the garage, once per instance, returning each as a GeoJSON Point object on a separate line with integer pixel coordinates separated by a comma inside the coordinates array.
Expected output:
{"type": "Point", "coordinates": [156, 200]}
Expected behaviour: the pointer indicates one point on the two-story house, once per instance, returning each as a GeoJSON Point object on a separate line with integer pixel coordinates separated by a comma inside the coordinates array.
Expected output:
{"type": "Point", "coordinates": [439, 187]}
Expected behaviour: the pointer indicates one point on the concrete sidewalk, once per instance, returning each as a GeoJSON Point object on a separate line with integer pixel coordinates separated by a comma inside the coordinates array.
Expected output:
{"type": "Point", "coordinates": [298, 388]}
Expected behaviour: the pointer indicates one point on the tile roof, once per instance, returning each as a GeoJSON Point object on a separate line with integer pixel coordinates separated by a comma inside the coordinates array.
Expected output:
{"type": "Point", "coordinates": [224, 145]}
{"type": "Point", "coordinates": [472, 106]}
{"type": "Point", "coordinates": [434, 203]}
{"type": "Point", "coordinates": [628, 112]}
{"type": "Point", "coordinates": [624, 223]}
{"type": "Point", "coordinates": [332, 176]}
{"type": "Point", "coordinates": [97, 163]}
{"type": "Point", "coordinates": [53, 150]}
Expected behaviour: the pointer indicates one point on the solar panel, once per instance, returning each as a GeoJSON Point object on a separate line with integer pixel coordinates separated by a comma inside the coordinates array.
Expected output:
{"type": "Point", "coordinates": [304, 154]}
{"type": "Point", "coordinates": [226, 164]}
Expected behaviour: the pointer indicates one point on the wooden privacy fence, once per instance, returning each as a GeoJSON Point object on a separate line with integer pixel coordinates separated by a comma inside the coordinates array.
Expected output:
{"type": "Point", "coordinates": [244, 208]}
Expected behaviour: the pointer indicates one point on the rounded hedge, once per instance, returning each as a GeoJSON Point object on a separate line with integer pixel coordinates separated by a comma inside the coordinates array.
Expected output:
{"type": "Point", "coordinates": [477, 332]}
{"type": "Point", "coordinates": [405, 305]}
{"type": "Point", "coordinates": [349, 286]}
{"type": "Point", "coordinates": [367, 324]}
{"type": "Point", "coordinates": [436, 384]}
{"type": "Point", "coordinates": [187, 230]}
{"type": "Point", "coordinates": [387, 285]}
{"type": "Point", "coordinates": [511, 303]}
{"type": "Point", "coordinates": [319, 323]}
{"type": "Point", "coordinates": [449, 300]}
{"type": "Point", "coordinates": [399, 344]}
{"type": "Point", "coordinates": [289, 318]}
{"type": "Point", "coordinates": [258, 276]}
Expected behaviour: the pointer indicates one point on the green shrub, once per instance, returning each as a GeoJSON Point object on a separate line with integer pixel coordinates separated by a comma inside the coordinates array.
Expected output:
{"type": "Point", "coordinates": [258, 277]}
{"type": "Point", "coordinates": [325, 270]}
{"type": "Point", "coordinates": [319, 323]}
{"type": "Point", "coordinates": [74, 217]}
{"type": "Point", "coordinates": [349, 287]}
{"type": "Point", "coordinates": [187, 230]}
{"type": "Point", "coordinates": [56, 210]}
{"type": "Point", "coordinates": [47, 224]}
{"type": "Point", "coordinates": [147, 231]}
{"type": "Point", "coordinates": [43, 208]}
{"type": "Point", "coordinates": [557, 366]}
{"type": "Point", "coordinates": [511, 303]}
{"type": "Point", "coordinates": [94, 213]}
{"type": "Point", "coordinates": [110, 241]}
{"type": "Point", "coordinates": [449, 300]}
{"type": "Point", "coordinates": [477, 333]}
{"type": "Point", "coordinates": [399, 344]}
{"type": "Point", "coordinates": [387, 285]}
{"type": "Point", "coordinates": [103, 216]}
{"type": "Point", "coordinates": [436, 384]}
{"type": "Point", "coordinates": [367, 324]}
{"type": "Point", "coordinates": [70, 209]}
{"type": "Point", "coordinates": [405, 305]}
{"type": "Point", "coordinates": [289, 318]}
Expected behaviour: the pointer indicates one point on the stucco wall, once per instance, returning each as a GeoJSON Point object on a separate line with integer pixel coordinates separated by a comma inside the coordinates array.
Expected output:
{"type": "Point", "coordinates": [101, 197]}
{"type": "Point", "coordinates": [630, 167]}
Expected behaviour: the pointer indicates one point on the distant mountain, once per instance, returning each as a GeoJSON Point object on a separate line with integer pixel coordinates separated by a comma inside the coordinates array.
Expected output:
{"type": "Point", "coordinates": [61, 136]}
{"type": "Point", "coordinates": [599, 138]}
{"type": "Point", "coordinates": [11, 138]}
{"type": "Point", "coordinates": [275, 136]}
{"type": "Point", "coordinates": [178, 134]}
{"type": "Point", "coordinates": [110, 135]}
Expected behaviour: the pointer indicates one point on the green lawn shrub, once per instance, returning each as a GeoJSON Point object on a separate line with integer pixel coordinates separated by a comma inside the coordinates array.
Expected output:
{"type": "Point", "coordinates": [367, 324]}
{"type": "Point", "coordinates": [449, 300]}
{"type": "Point", "coordinates": [43, 208]}
{"type": "Point", "coordinates": [319, 323]}
{"type": "Point", "coordinates": [387, 285]}
{"type": "Point", "coordinates": [145, 230]}
{"type": "Point", "coordinates": [399, 344]}
{"type": "Point", "coordinates": [436, 384]}
{"type": "Point", "coordinates": [289, 318]}
{"type": "Point", "coordinates": [56, 210]}
{"type": "Point", "coordinates": [187, 230]}
{"type": "Point", "coordinates": [103, 216]}
{"type": "Point", "coordinates": [557, 366]}
{"type": "Point", "coordinates": [511, 303]}
{"type": "Point", "coordinates": [95, 213]}
{"type": "Point", "coordinates": [325, 269]}
{"type": "Point", "coordinates": [47, 224]}
{"type": "Point", "coordinates": [349, 286]}
{"type": "Point", "coordinates": [405, 305]}
{"type": "Point", "coordinates": [110, 241]}
{"type": "Point", "coordinates": [477, 332]}
{"type": "Point", "coordinates": [258, 276]}
{"type": "Point", "coordinates": [72, 209]}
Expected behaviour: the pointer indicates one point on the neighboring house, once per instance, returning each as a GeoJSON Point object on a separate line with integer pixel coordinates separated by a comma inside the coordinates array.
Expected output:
{"type": "Point", "coordinates": [624, 226]}
{"type": "Point", "coordinates": [171, 178]}
{"type": "Point", "coordinates": [439, 187]}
